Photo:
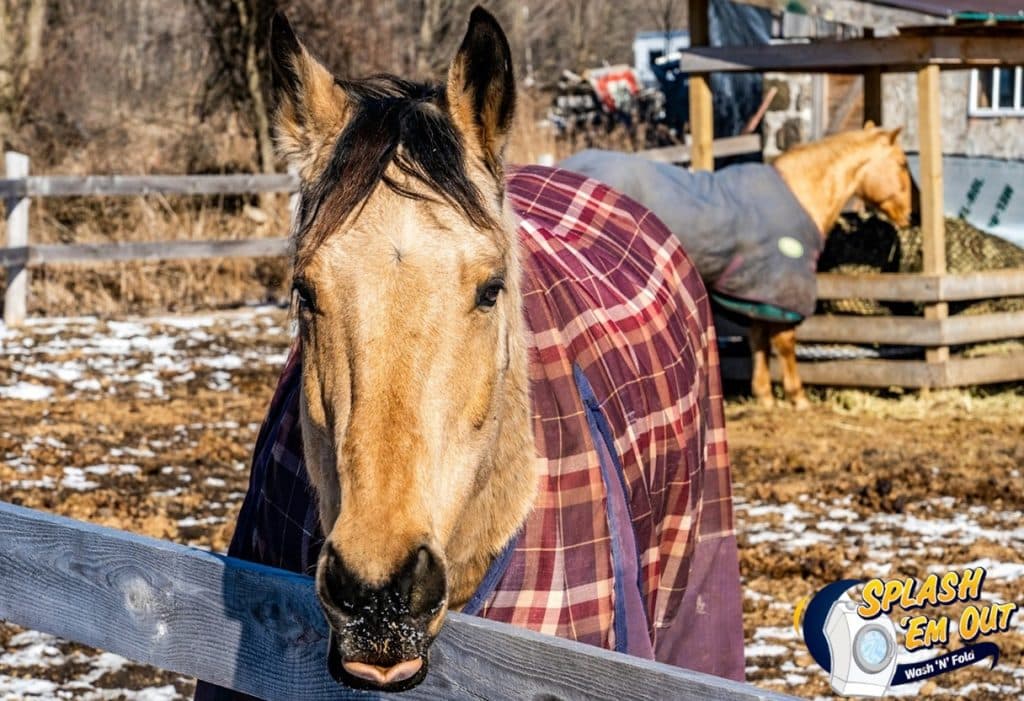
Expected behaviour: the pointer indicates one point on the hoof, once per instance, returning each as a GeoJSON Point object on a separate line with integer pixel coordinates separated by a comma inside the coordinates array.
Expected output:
{"type": "Point", "coordinates": [800, 402]}
{"type": "Point", "coordinates": [767, 402]}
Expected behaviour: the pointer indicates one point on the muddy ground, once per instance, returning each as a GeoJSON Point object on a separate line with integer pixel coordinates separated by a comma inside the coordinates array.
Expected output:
{"type": "Point", "coordinates": [147, 425]}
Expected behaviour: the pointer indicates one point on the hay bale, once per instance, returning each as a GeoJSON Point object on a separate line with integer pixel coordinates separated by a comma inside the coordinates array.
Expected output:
{"type": "Point", "coordinates": [867, 243]}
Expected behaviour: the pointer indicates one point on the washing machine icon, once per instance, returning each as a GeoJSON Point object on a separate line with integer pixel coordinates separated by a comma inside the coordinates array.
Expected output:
{"type": "Point", "coordinates": [863, 652]}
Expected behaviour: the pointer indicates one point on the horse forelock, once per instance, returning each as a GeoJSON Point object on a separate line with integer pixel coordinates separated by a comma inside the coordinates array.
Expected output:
{"type": "Point", "coordinates": [399, 133]}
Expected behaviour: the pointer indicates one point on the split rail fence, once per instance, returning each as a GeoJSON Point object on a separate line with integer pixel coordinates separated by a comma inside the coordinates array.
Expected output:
{"type": "Point", "coordinates": [934, 333]}
{"type": "Point", "coordinates": [247, 627]}
{"type": "Point", "coordinates": [260, 630]}
{"type": "Point", "coordinates": [19, 187]}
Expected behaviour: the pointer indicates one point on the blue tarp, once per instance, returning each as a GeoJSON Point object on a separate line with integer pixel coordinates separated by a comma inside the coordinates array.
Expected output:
{"type": "Point", "coordinates": [735, 96]}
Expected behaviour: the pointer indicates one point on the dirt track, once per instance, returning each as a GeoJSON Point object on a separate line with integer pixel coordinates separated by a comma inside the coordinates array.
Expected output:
{"type": "Point", "coordinates": [148, 426]}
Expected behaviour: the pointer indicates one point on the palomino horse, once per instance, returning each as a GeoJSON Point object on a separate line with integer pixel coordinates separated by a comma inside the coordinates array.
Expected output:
{"type": "Point", "coordinates": [824, 175]}
{"type": "Point", "coordinates": [504, 394]}
{"type": "Point", "coordinates": [755, 231]}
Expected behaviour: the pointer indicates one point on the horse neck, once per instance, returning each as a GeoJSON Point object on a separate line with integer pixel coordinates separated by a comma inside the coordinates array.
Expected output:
{"type": "Point", "coordinates": [823, 177]}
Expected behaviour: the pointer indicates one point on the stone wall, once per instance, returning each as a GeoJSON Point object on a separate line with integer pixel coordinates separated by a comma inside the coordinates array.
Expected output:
{"type": "Point", "coordinates": [998, 137]}
{"type": "Point", "coordinates": [788, 119]}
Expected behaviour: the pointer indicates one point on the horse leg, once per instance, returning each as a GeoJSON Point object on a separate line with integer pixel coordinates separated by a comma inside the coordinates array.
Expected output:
{"type": "Point", "coordinates": [784, 341]}
{"type": "Point", "coordinates": [761, 379]}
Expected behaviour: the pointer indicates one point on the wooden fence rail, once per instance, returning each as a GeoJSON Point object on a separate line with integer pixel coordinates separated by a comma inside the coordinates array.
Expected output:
{"type": "Point", "coordinates": [260, 631]}
{"type": "Point", "coordinates": [120, 185]}
{"type": "Point", "coordinates": [934, 332]}
{"type": "Point", "coordinates": [20, 255]}
{"type": "Point", "coordinates": [914, 287]}
{"type": "Point", "coordinates": [19, 187]}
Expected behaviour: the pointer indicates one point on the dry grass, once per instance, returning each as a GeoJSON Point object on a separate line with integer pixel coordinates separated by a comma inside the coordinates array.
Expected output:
{"type": "Point", "coordinates": [1000, 402]}
{"type": "Point", "coordinates": [149, 287]}
{"type": "Point", "coordinates": [533, 137]}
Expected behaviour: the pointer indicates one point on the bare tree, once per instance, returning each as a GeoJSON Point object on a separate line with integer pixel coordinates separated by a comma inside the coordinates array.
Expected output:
{"type": "Point", "coordinates": [666, 14]}
{"type": "Point", "coordinates": [21, 37]}
{"type": "Point", "coordinates": [238, 35]}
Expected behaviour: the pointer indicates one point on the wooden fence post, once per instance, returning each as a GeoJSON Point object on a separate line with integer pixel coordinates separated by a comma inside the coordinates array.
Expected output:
{"type": "Point", "coordinates": [933, 222]}
{"type": "Point", "coordinates": [819, 105]}
{"type": "Point", "coordinates": [16, 295]}
{"type": "Point", "coordinates": [872, 88]}
{"type": "Point", "coordinates": [701, 113]}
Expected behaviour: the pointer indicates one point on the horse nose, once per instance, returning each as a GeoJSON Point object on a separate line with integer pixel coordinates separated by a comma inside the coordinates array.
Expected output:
{"type": "Point", "coordinates": [383, 676]}
{"type": "Point", "coordinates": [418, 589]}
{"type": "Point", "coordinates": [380, 632]}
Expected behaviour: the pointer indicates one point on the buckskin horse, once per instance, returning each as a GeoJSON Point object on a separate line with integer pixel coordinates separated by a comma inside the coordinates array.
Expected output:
{"type": "Point", "coordinates": [755, 231]}
{"type": "Point", "coordinates": [504, 397]}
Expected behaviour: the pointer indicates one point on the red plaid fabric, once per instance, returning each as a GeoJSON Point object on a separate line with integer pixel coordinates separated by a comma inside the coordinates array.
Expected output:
{"type": "Point", "coordinates": [630, 545]}
{"type": "Point", "coordinates": [608, 289]}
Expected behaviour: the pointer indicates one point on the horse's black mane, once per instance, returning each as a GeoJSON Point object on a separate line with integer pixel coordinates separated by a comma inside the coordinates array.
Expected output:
{"type": "Point", "coordinates": [392, 121]}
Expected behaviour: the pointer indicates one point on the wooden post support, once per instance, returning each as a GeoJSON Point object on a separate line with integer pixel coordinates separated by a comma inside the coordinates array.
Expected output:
{"type": "Point", "coordinates": [16, 295]}
{"type": "Point", "coordinates": [872, 89]}
{"type": "Point", "coordinates": [701, 114]}
{"type": "Point", "coordinates": [819, 105]}
{"type": "Point", "coordinates": [933, 223]}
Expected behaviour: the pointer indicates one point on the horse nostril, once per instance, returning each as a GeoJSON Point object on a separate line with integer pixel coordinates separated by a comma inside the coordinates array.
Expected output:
{"type": "Point", "coordinates": [336, 583]}
{"type": "Point", "coordinates": [428, 586]}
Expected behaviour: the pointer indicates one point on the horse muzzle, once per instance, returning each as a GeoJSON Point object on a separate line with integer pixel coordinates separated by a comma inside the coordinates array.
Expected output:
{"type": "Point", "coordinates": [373, 677]}
{"type": "Point", "coordinates": [381, 635]}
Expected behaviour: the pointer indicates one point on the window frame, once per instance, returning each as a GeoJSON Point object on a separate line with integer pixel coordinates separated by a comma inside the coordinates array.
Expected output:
{"type": "Point", "coordinates": [997, 109]}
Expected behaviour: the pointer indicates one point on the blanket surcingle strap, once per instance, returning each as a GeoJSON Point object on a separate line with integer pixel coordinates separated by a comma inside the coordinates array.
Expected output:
{"type": "Point", "coordinates": [630, 545]}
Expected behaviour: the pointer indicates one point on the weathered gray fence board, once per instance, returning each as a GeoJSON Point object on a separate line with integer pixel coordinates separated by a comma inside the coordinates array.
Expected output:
{"type": "Point", "coordinates": [157, 250]}
{"type": "Point", "coordinates": [83, 185]}
{"type": "Point", "coordinates": [912, 330]}
{"type": "Point", "coordinates": [260, 630]}
{"type": "Point", "coordinates": [956, 372]}
{"type": "Point", "coordinates": [992, 368]}
{"type": "Point", "coordinates": [894, 287]}
{"type": "Point", "coordinates": [982, 285]}
{"type": "Point", "coordinates": [913, 287]}
{"type": "Point", "coordinates": [10, 257]}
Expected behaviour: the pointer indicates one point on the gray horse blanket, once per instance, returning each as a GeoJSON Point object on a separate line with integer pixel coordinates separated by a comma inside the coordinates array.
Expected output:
{"type": "Point", "coordinates": [630, 545]}
{"type": "Point", "coordinates": [750, 238]}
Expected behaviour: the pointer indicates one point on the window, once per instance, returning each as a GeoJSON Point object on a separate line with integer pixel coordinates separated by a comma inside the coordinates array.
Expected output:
{"type": "Point", "coordinates": [997, 92]}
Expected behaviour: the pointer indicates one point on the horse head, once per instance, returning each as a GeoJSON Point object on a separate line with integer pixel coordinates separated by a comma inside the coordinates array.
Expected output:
{"type": "Point", "coordinates": [885, 180]}
{"type": "Point", "coordinates": [415, 409]}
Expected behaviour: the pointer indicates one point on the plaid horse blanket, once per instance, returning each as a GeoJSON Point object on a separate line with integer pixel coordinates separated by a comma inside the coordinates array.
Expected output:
{"type": "Point", "coordinates": [630, 545]}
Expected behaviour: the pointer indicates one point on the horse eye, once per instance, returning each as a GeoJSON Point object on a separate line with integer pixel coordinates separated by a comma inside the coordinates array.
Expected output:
{"type": "Point", "coordinates": [487, 295]}
{"type": "Point", "coordinates": [304, 296]}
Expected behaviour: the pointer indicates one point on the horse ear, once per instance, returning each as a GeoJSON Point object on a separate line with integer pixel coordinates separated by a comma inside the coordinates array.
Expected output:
{"type": "Point", "coordinates": [869, 125]}
{"type": "Point", "coordinates": [481, 87]}
{"type": "Point", "coordinates": [894, 135]}
{"type": "Point", "coordinates": [311, 105]}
